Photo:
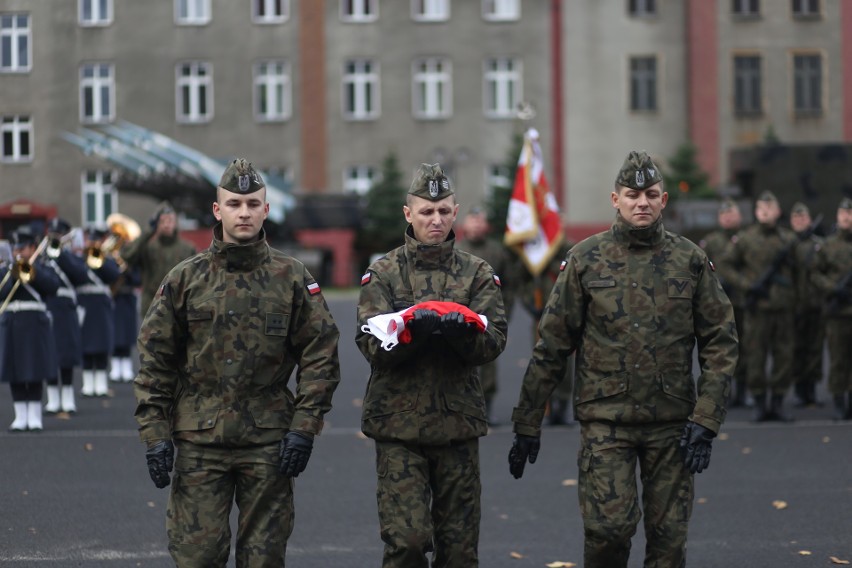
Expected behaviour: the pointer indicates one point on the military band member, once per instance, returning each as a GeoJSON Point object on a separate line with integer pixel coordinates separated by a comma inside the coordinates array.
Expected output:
{"type": "Point", "coordinates": [126, 318]}
{"type": "Point", "coordinates": [424, 404]}
{"type": "Point", "coordinates": [633, 302]}
{"type": "Point", "coordinates": [27, 349]}
{"type": "Point", "coordinates": [217, 347]}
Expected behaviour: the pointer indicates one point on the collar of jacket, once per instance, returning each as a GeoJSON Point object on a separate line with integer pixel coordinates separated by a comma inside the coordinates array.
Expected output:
{"type": "Point", "coordinates": [768, 229]}
{"type": "Point", "coordinates": [168, 239]}
{"type": "Point", "coordinates": [638, 237]}
{"type": "Point", "coordinates": [429, 256]}
{"type": "Point", "coordinates": [241, 258]}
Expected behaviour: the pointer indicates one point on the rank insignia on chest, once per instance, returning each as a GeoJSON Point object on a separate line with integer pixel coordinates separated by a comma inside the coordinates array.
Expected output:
{"type": "Point", "coordinates": [563, 265]}
{"type": "Point", "coordinates": [497, 280]}
{"type": "Point", "coordinates": [366, 278]}
{"type": "Point", "coordinates": [313, 289]}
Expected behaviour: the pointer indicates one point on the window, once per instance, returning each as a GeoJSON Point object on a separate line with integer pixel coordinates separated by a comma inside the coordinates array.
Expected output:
{"type": "Point", "coordinates": [194, 91]}
{"type": "Point", "coordinates": [746, 8]}
{"type": "Point", "coordinates": [100, 198]}
{"type": "Point", "coordinates": [94, 12]}
{"type": "Point", "coordinates": [270, 11]}
{"type": "Point", "coordinates": [432, 90]}
{"type": "Point", "coordinates": [97, 93]}
{"type": "Point", "coordinates": [807, 84]}
{"type": "Point", "coordinates": [430, 10]}
{"type": "Point", "coordinates": [359, 10]}
{"type": "Point", "coordinates": [501, 10]}
{"type": "Point", "coordinates": [643, 83]}
{"type": "Point", "coordinates": [497, 177]}
{"type": "Point", "coordinates": [502, 87]}
{"type": "Point", "coordinates": [16, 133]}
{"type": "Point", "coordinates": [806, 8]}
{"type": "Point", "coordinates": [641, 7]}
{"type": "Point", "coordinates": [14, 43]}
{"type": "Point", "coordinates": [360, 90]}
{"type": "Point", "coordinates": [273, 94]}
{"type": "Point", "coordinates": [192, 12]}
{"type": "Point", "coordinates": [358, 179]}
{"type": "Point", "coordinates": [747, 83]}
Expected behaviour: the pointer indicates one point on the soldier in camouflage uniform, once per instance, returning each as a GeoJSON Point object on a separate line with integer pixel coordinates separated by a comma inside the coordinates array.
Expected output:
{"type": "Point", "coordinates": [424, 404]}
{"type": "Point", "coordinates": [156, 251]}
{"type": "Point", "coordinates": [502, 261]}
{"type": "Point", "coordinates": [715, 244]}
{"type": "Point", "coordinates": [633, 302]}
{"type": "Point", "coordinates": [760, 264]}
{"type": "Point", "coordinates": [832, 275]}
{"type": "Point", "coordinates": [217, 348]}
{"type": "Point", "coordinates": [809, 332]}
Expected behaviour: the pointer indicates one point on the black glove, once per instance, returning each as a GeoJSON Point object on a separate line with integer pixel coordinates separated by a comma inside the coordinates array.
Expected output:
{"type": "Point", "coordinates": [453, 325]}
{"type": "Point", "coordinates": [423, 323]}
{"type": "Point", "coordinates": [161, 458]}
{"type": "Point", "coordinates": [294, 451]}
{"type": "Point", "coordinates": [695, 446]}
{"type": "Point", "coordinates": [523, 448]}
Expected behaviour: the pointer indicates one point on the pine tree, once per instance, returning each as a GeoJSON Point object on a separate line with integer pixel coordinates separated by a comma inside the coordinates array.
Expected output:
{"type": "Point", "coordinates": [383, 221]}
{"type": "Point", "coordinates": [685, 178]}
{"type": "Point", "coordinates": [498, 203]}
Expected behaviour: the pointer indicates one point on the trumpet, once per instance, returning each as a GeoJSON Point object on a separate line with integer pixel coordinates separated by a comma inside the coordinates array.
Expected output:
{"type": "Point", "coordinates": [56, 244]}
{"type": "Point", "coordinates": [123, 230]}
{"type": "Point", "coordinates": [23, 270]}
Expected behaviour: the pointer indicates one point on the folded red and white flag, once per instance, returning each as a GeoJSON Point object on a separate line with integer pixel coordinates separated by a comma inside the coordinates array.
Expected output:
{"type": "Point", "coordinates": [391, 328]}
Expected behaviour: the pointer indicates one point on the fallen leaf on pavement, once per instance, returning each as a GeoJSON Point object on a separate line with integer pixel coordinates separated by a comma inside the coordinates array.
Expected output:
{"type": "Point", "coordinates": [746, 450]}
{"type": "Point", "coordinates": [723, 436]}
{"type": "Point", "coordinates": [825, 439]}
{"type": "Point", "coordinates": [151, 504]}
{"type": "Point", "coordinates": [804, 553]}
{"type": "Point", "coordinates": [836, 560]}
{"type": "Point", "coordinates": [516, 555]}
{"type": "Point", "coordinates": [702, 500]}
{"type": "Point", "coordinates": [560, 565]}
{"type": "Point", "coordinates": [569, 482]}
{"type": "Point", "coordinates": [88, 447]}
{"type": "Point", "coordinates": [778, 504]}
{"type": "Point", "coordinates": [357, 402]}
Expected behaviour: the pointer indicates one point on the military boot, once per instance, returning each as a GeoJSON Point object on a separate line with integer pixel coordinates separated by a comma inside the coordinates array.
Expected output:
{"type": "Point", "coordinates": [34, 415]}
{"type": "Point", "coordinates": [760, 411]}
{"type": "Point", "coordinates": [88, 383]}
{"type": "Point", "coordinates": [21, 417]}
{"type": "Point", "coordinates": [839, 407]}
{"type": "Point", "coordinates": [776, 409]}
{"type": "Point", "coordinates": [67, 399]}
{"type": "Point", "coordinates": [115, 369]}
{"type": "Point", "coordinates": [100, 382]}
{"type": "Point", "coordinates": [52, 406]}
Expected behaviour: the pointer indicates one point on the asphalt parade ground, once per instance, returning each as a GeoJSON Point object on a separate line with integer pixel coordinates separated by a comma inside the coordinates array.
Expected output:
{"type": "Point", "coordinates": [79, 494]}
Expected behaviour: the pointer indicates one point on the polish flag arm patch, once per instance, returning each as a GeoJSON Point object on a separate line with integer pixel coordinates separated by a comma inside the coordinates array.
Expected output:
{"type": "Point", "coordinates": [497, 280]}
{"type": "Point", "coordinates": [711, 265]}
{"type": "Point", "coordinates": [563, 265]}
{"type": "Point", "coordinates": [313, 289]}
{"type": "Point", "coordinates": [366, 278]}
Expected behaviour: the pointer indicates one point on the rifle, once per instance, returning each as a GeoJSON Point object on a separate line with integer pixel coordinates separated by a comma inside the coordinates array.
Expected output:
{"type": "Point", "coordinates": [840, 294]}
{"type": "Point", "coordinates": [760, 289]}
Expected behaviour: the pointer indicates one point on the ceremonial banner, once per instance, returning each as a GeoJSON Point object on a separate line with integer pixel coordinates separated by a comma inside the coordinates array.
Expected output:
{"type": "Point", "coordinates": [533, 225]}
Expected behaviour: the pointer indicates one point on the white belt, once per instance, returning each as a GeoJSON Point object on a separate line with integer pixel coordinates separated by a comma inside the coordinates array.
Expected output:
{"type": "Point", "coordinates": [93, 289]}
{"type": "Point", "coordinates": [25, 306]}
{"type": "Point", "coordinates": [66, 293]}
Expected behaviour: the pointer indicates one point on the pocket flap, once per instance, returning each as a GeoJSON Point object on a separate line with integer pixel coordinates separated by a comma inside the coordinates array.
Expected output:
{"type": "Point", "coordinates": [194, 421]}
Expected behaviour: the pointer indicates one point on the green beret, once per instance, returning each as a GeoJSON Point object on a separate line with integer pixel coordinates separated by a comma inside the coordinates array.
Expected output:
{"type": "Point", "coordinates": [845, 203]}
{"type": "Point", "coordinates": [240, 177]}
{"type": "Point", "coordinates": [430, 183]}
{"type": "Point", "coordinates": [638, 172]}
{"type": "Point", "coordinates": [726, 204]}
{"type": "Point", "coordinates": [800, 208]}
{"type": "Point", "coordinates": [767, 195]}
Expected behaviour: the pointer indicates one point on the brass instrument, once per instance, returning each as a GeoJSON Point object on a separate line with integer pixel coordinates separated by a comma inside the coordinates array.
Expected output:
{"type": "Point", "coordinates": [23, 270]}
{"type": "Point", "coordinates": [123, 230]}
{"type": "Point", "coordinates": [56, 244]}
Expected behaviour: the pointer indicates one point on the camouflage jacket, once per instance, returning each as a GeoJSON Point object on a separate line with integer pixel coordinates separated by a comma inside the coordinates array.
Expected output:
{"type": "Point", "coordinates": [633, 303]}
{"type": "Point", "coordinates": [502, 261]}
{"type": "Point", "coordinates": [154, 257]}
{"type": "Point", "coordinates": [749, 257]}
{"type": "Point", "coordinates": [834, 263]}
{"type": "Point", "coordinates": [808, 296]}
{"type": "Point", "coordinates": [220, 342]}
{"type": "Point", "coordinates": [715, 245]}
{"type": "Point", "coordinates": [428, 391]}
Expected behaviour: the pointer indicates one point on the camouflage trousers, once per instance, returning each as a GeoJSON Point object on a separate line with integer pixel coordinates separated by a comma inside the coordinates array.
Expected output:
{"type": "Point", "coordinates": [838, 332]}
{"type": "Point", "coordinates": [769, 332]}
{"type": "Point", "coordinates": [207, 481]}
{"type": "Point", "coordinates": [609, 498]}
{"type": "Point", "coordinates": [807, 357]}
{"type": "Point", "coordinates": [428, 500]}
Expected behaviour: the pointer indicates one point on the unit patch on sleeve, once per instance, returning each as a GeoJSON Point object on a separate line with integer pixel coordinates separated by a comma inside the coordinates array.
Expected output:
{"type": "Point", "coordinates": [497, 280]}
{"type": "Point", "coordinates": [366, 278]}
{"type": "Point", "coordinates": [313, 288]}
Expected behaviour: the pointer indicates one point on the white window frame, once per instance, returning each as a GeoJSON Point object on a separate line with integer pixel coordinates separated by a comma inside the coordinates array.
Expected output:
{"type": "Point", "coordinates": [197, 12]}
{"type": "Point", "coordinates": [273, 11]}
{"type": "Point", "coordinates": [359, 11]}
{"type": "Point", "coordinates": [11, 37]}
{"type": "Point", "coordinates": [100, 12]}
{"type": "Point", "coordinates": [18, 126]}
{"type": "Point", "coordinates": [432, 88]}
{"type": "Point", "coordinates": [198, 86]}
{"type": "Point", "coordinates": [101, 187]}
{"type": "Point", "coordinates": [501, 10]}
{"type": "Point", "coordinates": [747, 84]}
{"type": "Point", "coordinates": [430, 10]}
{"type": "Point", "coordinates": [100, 87]}
{"type": "Point", "coordinates": [359, 179]}
{"type": "Point", "coordinates": [812, 81]}
{"type": "Point", "coordinates": [503, 86]}
{"type": "Point", "coordinates": [365, 85]}
{"type": "Point", "coordinates": [274, 90]}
